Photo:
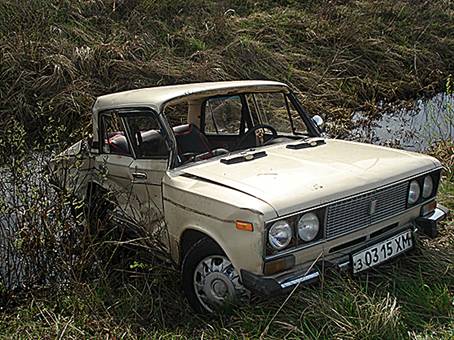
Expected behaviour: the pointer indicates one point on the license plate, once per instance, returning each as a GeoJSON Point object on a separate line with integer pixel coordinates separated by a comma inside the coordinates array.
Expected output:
{"type": "Point", "coordinates": [382, 251]}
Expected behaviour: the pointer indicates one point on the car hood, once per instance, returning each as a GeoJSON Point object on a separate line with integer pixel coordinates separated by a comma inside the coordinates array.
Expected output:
{"type": "Point", "coordinates": [294, 179]}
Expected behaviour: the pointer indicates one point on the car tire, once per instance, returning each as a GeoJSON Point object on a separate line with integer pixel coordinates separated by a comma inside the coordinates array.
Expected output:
{"type": "Point", "coordinates": [220, 289]}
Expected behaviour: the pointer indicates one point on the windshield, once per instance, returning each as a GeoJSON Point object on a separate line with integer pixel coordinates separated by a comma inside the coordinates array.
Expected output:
{"type": "Point", "coordinates": [277, 110]}
{"type": "Point", "coordinates": [221, 124]}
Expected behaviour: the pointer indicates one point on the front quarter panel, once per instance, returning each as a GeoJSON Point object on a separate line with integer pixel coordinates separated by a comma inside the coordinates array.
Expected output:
{"type": "Point", "coordinates": [213, 210]}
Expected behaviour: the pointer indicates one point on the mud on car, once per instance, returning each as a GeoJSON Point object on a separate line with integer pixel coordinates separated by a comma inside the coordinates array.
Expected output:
{"type": "Point", "coordinates": [250, 193]}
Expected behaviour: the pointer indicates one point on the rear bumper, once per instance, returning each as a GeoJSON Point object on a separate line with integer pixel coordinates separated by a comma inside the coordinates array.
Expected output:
{"type": "Point", "coordinates": [275, 285]}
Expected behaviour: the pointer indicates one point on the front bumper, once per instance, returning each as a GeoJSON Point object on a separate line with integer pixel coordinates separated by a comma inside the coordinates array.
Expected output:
{"type": "Point", "coordinates": [268, 285]}
{"type": "Point", "coordinates": [428, 224]}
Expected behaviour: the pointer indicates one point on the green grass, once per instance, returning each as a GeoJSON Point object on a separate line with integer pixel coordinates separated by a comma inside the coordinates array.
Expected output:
{"type": "Point", "coordinates": [57, 56]}
{"type": "Point", "coordinates": [410, 297]}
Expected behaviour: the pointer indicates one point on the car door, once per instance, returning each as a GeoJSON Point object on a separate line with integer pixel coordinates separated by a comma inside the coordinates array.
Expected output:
{"type": "Point", "coordinates": [133, 160]}
{"type": "Point", "coordinates": [114, 159]}
{"type": "Point", "coordinates": [148, 141]}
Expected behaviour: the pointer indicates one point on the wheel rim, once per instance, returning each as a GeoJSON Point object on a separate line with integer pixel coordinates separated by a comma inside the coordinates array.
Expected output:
{"type": "Point", "coordinates": [217, 283]}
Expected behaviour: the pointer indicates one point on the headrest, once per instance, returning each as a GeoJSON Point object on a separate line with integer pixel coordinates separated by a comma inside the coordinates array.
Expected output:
{"type": "Point", "coordinates": [184, 129]}
{"type": "Point", "coordinates": [118, 144]}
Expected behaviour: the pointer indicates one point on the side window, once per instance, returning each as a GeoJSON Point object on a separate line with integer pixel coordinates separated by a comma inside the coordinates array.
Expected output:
{"type": "Point", "coordinates": [147, 137]}
{"type": "Point", "coordinates": [114, 135]}
{"type": "Point", "coordinates": [223, 115]}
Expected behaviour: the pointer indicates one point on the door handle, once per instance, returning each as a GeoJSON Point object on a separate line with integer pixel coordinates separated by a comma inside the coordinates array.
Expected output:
{"type": "Point", "coordinates": [139, 175]}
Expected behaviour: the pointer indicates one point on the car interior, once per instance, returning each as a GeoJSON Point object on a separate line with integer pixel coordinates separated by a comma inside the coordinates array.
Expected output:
{"type": "Point", "coordinates": [212, 126]}
{"type": "Point", "coordinates": [221, 124]}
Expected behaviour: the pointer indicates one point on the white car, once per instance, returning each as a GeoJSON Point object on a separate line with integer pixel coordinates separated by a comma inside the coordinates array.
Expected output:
{"type": "Point", "coordinates": [245, 192]}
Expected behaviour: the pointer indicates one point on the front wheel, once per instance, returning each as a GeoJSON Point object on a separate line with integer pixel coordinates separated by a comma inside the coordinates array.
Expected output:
{"type": "Point", "coordinates": [210, 282]}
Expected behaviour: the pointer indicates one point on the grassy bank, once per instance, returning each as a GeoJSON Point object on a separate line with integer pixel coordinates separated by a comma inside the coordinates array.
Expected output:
{"type": "Point", "coordinates": [57, 56]}
{"type": "Point", "coordinates": [411, 296]}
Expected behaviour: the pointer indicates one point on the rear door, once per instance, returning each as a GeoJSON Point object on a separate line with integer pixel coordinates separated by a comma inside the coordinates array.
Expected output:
{"type": "Point", "coordinates": [114, 158]}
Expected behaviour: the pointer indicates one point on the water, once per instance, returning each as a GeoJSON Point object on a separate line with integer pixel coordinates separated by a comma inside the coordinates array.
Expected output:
{"type": "Point", "coordinates": [26, 202]}
{"type": "Point", "coordinates": [414, 129]}
{"type": "Point", "coordinates": [8, 257]}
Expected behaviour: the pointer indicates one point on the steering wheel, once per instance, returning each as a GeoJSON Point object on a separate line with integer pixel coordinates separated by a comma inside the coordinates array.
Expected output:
{"type": "Point", "coordinates": [251, 131]}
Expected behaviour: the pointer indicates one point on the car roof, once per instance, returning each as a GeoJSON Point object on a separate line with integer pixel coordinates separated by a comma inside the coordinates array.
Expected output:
{"type": "Point", "coordinates": [157, 97]}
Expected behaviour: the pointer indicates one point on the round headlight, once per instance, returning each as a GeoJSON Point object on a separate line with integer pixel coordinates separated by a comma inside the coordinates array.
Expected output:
{"type": "Point", "coordinates": [308, 227]}
{"type": "Point", "coordinates": [413, 192]}
{"type": "Point", "coordinates": [428, 187]}
{"type": "Point", "coordinates": [280, 235]}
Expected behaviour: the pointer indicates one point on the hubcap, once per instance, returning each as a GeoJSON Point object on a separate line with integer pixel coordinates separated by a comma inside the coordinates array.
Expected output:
{"type": "Point", "coordinates": [217, 285]}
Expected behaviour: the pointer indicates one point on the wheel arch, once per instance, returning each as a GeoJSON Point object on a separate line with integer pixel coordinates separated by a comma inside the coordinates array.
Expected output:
{"type": "Point", "coordinates": [189, 237]}
{"type": "Point", "coordinates": [94, 191]}
{"type": "Point", "coordinates": [234, 249]}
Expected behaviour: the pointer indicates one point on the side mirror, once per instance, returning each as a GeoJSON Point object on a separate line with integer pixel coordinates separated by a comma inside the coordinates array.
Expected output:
{"type": "Point", "coordinates": [319, 122]}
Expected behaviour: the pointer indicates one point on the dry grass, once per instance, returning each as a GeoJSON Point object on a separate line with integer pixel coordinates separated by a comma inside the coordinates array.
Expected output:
{"type": "Point", "coordinates": [56, 56]}
{"type": "Point", "coordinates": [410, 297]}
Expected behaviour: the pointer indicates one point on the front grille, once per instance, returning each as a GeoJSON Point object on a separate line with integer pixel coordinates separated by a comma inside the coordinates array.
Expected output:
{"type": "Point", "coordinates": [357, 212]}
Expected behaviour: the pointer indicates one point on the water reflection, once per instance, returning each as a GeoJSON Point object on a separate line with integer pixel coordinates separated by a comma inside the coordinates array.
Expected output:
{"type": "Point", "coordinates": [412, 129]}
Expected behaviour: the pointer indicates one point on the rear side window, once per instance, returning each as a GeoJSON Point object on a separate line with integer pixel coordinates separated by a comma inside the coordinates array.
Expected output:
{"type": "Point", "coordinates": [147, 136]}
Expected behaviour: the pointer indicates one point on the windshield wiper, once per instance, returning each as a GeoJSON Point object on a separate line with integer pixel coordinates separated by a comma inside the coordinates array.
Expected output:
{"type": "Point", "coordinates": [244, 158]}
{"type": "Point", "coordinates": [307, 143]}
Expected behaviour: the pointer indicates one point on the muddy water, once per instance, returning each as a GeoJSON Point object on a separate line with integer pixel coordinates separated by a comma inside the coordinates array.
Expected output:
{"type": "Point", "coordinates": [415, 128]}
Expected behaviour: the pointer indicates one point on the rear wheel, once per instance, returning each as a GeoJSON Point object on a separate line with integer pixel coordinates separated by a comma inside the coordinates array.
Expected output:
{"type": "Point", "coordinates": [211, 283]}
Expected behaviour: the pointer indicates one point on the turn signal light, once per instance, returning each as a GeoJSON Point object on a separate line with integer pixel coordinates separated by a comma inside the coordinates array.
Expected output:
{"type": "Point", "coordinates": [428, 208]}
{"type": "Point", "coordinates": [246, 226]}
{"type": "Point", "coordinates": [279, 265]}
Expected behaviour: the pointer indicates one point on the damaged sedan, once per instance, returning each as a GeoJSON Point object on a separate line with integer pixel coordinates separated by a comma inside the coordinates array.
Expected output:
{"type": "Point", "coordinates": [249, 193]}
